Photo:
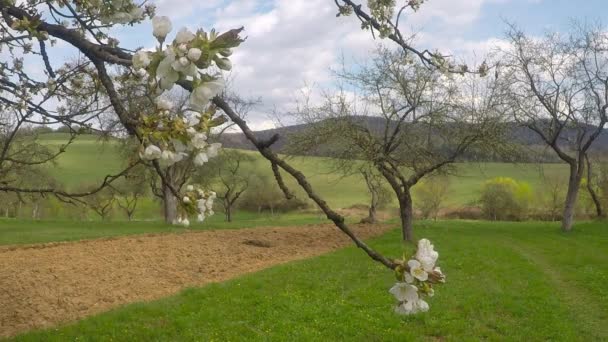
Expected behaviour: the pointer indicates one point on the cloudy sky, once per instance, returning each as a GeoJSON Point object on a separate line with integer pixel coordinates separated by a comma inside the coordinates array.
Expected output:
{"type": "Point", "coordinates": [293, 43]}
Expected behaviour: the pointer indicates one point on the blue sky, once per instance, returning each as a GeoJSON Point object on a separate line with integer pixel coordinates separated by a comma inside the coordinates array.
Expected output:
{"type": "Point", "coordinates": [294, 43]}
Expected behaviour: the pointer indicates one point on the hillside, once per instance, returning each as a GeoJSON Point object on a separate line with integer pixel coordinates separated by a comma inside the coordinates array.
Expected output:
{"type": "Point", "coordinates": [517, 134]}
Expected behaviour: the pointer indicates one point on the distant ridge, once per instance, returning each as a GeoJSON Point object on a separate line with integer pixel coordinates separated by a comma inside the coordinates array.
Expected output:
{"type": "Point", "coordinates": [518, 134]}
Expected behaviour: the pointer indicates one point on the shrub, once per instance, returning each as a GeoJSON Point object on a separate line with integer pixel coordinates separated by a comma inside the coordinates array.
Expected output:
{"type": "Point", "coordinates": [504, 198]}
{"type": "Point", "coordinates": [430, 195]}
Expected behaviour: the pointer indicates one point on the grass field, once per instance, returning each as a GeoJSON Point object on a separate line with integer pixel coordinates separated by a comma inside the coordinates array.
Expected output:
{"type": "Point", "coordinates": [505, 281]}
{"type": "Point", "coordinates": [88, 160]}
{"type": "Point", "coordinates": [27, 231]}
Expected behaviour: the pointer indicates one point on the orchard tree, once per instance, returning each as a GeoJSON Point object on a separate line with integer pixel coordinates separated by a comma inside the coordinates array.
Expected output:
{"type": "Point", "coordinates": [70, 92]}
{"type": "Point", "coordinates": [403, 119]}
{"type": "Point", "coordinates": [558, 88]}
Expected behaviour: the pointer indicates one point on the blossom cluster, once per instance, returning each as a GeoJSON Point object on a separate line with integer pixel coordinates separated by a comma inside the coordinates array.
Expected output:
{"type": "Point", "coordinates": [196, 200]}
{"type": "Point", "coordinates": [415, 280]}
{"type": "Point", "coordinates": [171, 135]}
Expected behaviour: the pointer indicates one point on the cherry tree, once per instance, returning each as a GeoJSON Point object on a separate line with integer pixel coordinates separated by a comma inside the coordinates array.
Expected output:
{"type": "Point", "coordinates": [70, 93]}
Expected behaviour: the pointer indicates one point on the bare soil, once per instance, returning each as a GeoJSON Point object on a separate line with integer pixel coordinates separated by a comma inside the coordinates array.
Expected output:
{"type": "Point", "coordinates": [50, 284]}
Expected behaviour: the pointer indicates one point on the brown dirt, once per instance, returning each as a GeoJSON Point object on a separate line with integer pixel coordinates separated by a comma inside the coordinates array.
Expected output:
{"type": "Point", "coordinates": [50, 284]}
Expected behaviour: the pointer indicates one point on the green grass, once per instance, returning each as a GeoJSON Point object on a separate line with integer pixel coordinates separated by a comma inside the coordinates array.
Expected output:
{"type": "Point", "coordinates": [505, 281]}
{"type": "Point", "coordinates": [26, 232]}
{"type": "Point", "coordinates": [88, 160]}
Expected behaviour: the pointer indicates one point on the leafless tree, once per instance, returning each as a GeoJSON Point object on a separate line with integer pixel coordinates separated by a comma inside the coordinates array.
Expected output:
{"type": "Point", "coordinates": [558, 88]}
{"type": "Point", "coordinates": [404, 119]}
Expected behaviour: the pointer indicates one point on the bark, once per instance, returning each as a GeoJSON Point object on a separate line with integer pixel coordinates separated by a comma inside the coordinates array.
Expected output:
{"type": "Point", "coordinates": [169, 205]}
{"type": "Point", "coordinates": [596, 200]}
{"type": "Point", "coordinates": [228, 211]}
{"type": "Point", "coordinates": [406, 214]}
{"type": "Point", "coordinates": [574, 184]}
{"type": "Point", "coordinates": [371, 217]}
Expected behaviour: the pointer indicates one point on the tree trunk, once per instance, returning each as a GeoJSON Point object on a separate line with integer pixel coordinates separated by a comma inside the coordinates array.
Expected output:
{"type": "Point", "coordinates": [596, 200]}
{"type": "Point", "coordinates": [228, 212]}
{"type": "Point", "coordinates": [406, 214]}
{"type": "Point", "coordinates": [371, 217]}
{"type": "Point", "coordinates": [169, 205]}
{"type": "Point", "coordinates": [574, 184]}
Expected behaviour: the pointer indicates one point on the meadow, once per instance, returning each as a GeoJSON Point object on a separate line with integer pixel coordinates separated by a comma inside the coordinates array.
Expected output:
{"type": "Point", "coordinates": [88, 160]}
{"type": "Point", "coordinates": [505, 281]}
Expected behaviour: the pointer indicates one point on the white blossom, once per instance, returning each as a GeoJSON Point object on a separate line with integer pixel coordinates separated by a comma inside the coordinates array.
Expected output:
{"type": "Point", "coordinates": [161, 26]}
{"type": "Point", "coordinates": [417, 271]}
{"type": "Point", "coordinates": [199, 140]}
{"type": "Point", "coordinates": [404, 292]}
{"type": "Point", "coordinates": [194, 54]}
{"type": "Point", "coordinates": [213, 149]}
{"type": "Point", "coordinates": [201, 159]}
{"type": "Point", "coordinates": [184, 36]}
{"type": "Point", "coordinates": [186, 199]}
{"type": "Point", "coordinates": [426, 254]}
{"type": "Point", "coordinates": [167, 75]}
{"type": "Point", "coordinates": [190, 188]}
{"type": "Point", "coordinates": [205, 92]}
{"type": "Point", "coordinates": [141, 59]}
{"type": "Point", "coordinates": [151, 152]}
{"type": "Point", "coordinates": [163, 104]}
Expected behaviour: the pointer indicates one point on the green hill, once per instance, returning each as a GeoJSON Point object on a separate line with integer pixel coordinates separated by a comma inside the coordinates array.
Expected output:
{"type": "Point", "coordinates": [89, 159]}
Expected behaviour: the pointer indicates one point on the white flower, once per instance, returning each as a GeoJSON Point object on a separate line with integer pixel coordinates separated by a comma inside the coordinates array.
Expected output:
{"type": "Point", "coordinates": [200, 204]}
{"type": "Point", "coordinates": [184, 66]}
{"type": "Point", "coordinates": [186, 199]}
{"type": "Point", "coordinates": [210, 213]}
{"type": "Point", "coordinates": [163, 104]}
{"type": "Point", "coordinates": [209, 203]}
{"type": "Point", "coordinates": [199, 140]}
{"type": "Point", "coordinates": [161, 26]}
{"type": "Point", "coordinates": [182, 47]}
{"type": "Point", "coordinates": [142, 73]}
{"type": "Point", "coordinates": [168, 76]}
{"type": "Point", "coordinates": [408, 278]}
{"type": "Point", "coordinates": [412, 307]}
{"type": "Point", "coordinates": [137, 13]}
{"type": "Point", "coordinates": [166, 157]}
{"type": "Point", "coordinates": [421, 305]}
{"type": "Point", "coordinates": [151, 152]}
{"type": "Point", "coordinates": [141, 59]}
{"type": "Point", "coordinates": [201, 218]}
{"type": "Point", "coordinates": [426, 255]}
{"type": "Point", "coordinates": [224, 64]}
{"type": "Point", "coordinates": [190, 188]}
{"type": "Point", "coordinates": [404, 292]}
{"type": "Point", "coordinates": [201, 159]}
{"type": "Point", "coordinates": [417, 271]}
{"type": "Point", "coordinates": [179, 147]}
{"type": "Point", "coordinates": [185, 222]}
{"type": "Point", "coordinates": [194, 54]}
{"type": "Point", "coordinates": [191, 131]}
{"type": "Point", "coordinates": [213, 149]}
{"type": "Point", "coordinates": [184, 36]}
{"type": "Point", "coordinates": [205, 92]}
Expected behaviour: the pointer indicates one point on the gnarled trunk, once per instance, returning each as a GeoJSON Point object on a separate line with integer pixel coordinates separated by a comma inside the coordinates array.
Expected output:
{"type": "Point", "coordinates": [373, 205]}
{"type": "Point", "coordinates": [594, 196]}
{"type": "Point", "coordinates": [574, 184]}
{"type": "Point", "coordinates": [406, 214]}
{"type": "Point", "coordinates": [169, 205]}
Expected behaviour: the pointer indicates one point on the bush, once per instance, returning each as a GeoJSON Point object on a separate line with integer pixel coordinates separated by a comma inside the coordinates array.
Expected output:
{"type": "Point", "coordinates": [504, 198]}
{"type": "Point", "coordinates": [430, 195]}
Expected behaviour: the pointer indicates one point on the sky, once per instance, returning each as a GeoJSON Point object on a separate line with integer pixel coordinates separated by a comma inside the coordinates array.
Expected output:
{"type": "Point", "coordinates": [292, 45]}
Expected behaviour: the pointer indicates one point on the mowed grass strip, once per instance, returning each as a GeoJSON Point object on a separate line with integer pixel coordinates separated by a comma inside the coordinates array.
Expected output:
{"type": "Point", "coordinates": [16, 232]}
{"type": "Point", "coordinates": [496, 290]}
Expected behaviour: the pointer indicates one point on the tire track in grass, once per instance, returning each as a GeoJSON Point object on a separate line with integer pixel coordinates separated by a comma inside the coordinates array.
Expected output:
{"type": "Point", "coordinates": [594, 327]}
